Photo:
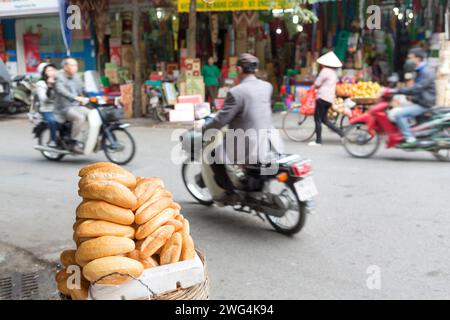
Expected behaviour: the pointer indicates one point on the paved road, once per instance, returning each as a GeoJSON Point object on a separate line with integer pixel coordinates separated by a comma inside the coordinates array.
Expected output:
{"type": "Point", "coordinates": [391, 212]}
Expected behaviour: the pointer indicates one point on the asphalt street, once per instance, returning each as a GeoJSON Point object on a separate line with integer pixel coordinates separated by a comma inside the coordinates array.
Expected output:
{"type": "Point", "coordinates": [389, 213]}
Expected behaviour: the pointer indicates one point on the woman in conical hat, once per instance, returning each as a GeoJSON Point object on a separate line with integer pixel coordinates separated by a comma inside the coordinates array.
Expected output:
{"type": "Point", "coordinates": [326, 93]}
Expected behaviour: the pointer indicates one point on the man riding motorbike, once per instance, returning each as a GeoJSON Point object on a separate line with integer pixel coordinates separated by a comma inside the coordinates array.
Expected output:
{"type": "Point", "coordinates": [69, 100]}
{"type": "Point", "coordinates": [247, 107]}
{"type": "Point", "coordinates": [422, 93]}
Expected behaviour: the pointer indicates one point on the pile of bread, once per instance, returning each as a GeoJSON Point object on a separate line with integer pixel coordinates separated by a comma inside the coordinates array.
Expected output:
{"type": "Point", "coordinates": [124, 224]}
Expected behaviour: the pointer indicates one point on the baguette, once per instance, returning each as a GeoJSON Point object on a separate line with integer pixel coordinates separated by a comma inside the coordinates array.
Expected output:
{"type": "Point", "coordinates": [84, 171]}
{"type": "Point", "coordinates": [61, 282]}
{"type": "Point", "coordinates": [171, 251]}
{"type": "Point", "coordinates": [103, 247]}
{"type": "Point", "coordinates": [109, 191]}
{"type": "Point", "coordinates": [155, 241]}
{"type": "Point", "coordinates": [101, 210]}
{"type": "Point", "coordinates": [152, 210]}
{"type": "Point", "coordinates": [186, 227]}
{"type": "Point", "coordinates": [81, 293]}
{"type": "Point", "coordinates": [98, 228]}
{"type": "Point", "coordinates": [152, 225]}
{"type": "Point", "coordinates": [118, 175]}
{"type": "Point", "coordinates": [175, 206]}
{"type": "Point", "coordinates": [145, 189]}
{"type": "Point", "coordinates": [179, 217]}
{"type": "Point", "coordinates": [177, 224]}
{"type": "Point", "coordinates": [67, 258]}
{"type": "Point", "coordinates": [77, 223]}
{"type": "Point", "coordinates": [133, 254]}
{"type": "Point", "coordinates": [103, 267]}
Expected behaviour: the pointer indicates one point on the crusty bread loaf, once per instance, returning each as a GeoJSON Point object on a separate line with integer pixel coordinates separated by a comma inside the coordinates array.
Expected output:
{"type": "Point", "coordinates": [186, 227]}
{"type": "Point", "coordinates": [77, 223]}
{"type": "Point", "coordinates": [84, 171]}
{"type": "Point", "coordinates": [151, 226]}
{"type": "Point", "coordinates": [175, 206]}
{"type": "Point", "coordinates": [149, 262]}
{"type": "Point", "coordinates": [101, 210]}
{"type": "Point", "coordinates": [110, 174]}
{"type": "Point", "coordinates": [188, 249]}
{"type": "Point", "coordinates": [179, 217]}
{"type": "Point", "coordinates": [177, 224]}
{"type": "Point", "coordinates": [133, 254]}
{"type": "Point", "coordinates": [61, 282]}
{"type": "Point", "coordinates": [99, 228]}
{"type": "Point", "coordinates": [145, 189]}
{"type": "Point", "coordinates": [103, 247]}
{"type": "Point", "coordinates": [171, 251]}
{"type": "Point", "coordinates": [151, 211]}
{"type": "Point", "coordinates": [155, 241]}
{"type": "Point", "coordinates": [102, 267]}
{"type": "Point", "coordinates": [111, 192]}
{"type": "Point", "coordinates": [67, 258]}
{"type": "Point", "coordinates": [81, 293]}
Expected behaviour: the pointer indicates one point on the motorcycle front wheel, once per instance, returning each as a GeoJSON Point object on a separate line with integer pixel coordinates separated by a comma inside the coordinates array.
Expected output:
{"type": "Point", "coordinates": [159, 113]}
{"type": "Point", "coordinates": [43, 140]}
{"type": "Point", "coordinates": [294, 219]}
{"type": "Point", "coordinates": [122, 149]}
{"type": "Point", "coordinates": [192, 179]}
{"type": "Point", "coordinates": [359, 143]}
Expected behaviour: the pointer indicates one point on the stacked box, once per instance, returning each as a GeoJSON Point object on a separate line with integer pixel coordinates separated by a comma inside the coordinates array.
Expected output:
{"type": "Point", "coordinates": [193, 68]}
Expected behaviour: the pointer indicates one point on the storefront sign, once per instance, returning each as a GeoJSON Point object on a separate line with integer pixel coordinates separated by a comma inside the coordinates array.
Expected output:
{"type": "Point", "coordinates": [235, 5]}
{"type": "Point", "coordinates": [31, 50]}
{"type": "Point", "coordinates": [9, 8]}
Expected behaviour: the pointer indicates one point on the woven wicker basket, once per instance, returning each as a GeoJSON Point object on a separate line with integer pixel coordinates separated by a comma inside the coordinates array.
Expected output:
{"type": "Point", "coordinates": [197, 292]}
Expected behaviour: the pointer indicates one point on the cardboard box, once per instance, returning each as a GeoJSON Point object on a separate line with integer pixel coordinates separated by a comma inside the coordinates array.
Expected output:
{"type": "Point", "coordinates": [202, 110]}
{"type": "Point", "coordinates": [196, 99]}
{"type": "Point", "coordinates": [195, 86]}
{"type": "Point", "coordinates": [185, 107]}
{"type": "Point", "coordinates": [181, 116]}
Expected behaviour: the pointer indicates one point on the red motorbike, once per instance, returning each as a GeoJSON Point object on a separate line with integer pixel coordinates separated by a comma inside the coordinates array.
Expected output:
{"type": "Point", "coordinates": [363, 137]}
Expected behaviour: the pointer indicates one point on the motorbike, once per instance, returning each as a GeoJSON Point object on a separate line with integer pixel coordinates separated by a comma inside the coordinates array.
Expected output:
{"type": "Point", "coordinates": [158, 106]}
{"type": "Point", "coordinates": [16, 95]}
{"type": "Point", "coordinates": [104, 130]}
{"type": "Point", "coordinates": [283, 198]}
{"type": "Point", "coordinates": [363, 137]}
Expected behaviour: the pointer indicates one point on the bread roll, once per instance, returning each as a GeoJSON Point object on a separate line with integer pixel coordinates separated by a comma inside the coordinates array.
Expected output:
{"type": "Point", "coordinates": [133, 254]}
{"type": "Point", "coordinates": [145, 189]}
{"type": "Point", "coordinates": [60, 275]}
{"type": "Point", "coordinates": [188, 249]}
{"type": "Point", "coordinates": [99, 228]}
{"type": "Point", "coordinates": [111, 192]}
{"type": "Point", "coordinates": [186, 227]}
{"type": "Point", "coordinates": [101, 210]}
{"type": "Point", "coordinates": [103, 247]}
{"type": "Point", "coordinates": [81, 293]}
{"type": "Point", "coordinates": [155, 241]}
{"type": "Point", "coordinates": [79, 241]}
{"type": "Point", "coordinates": [179, 217]}
{"type": "Point", "coordinates": [118, 175]}
{"type": "Point", "coordinates": [171, 251]}
{"type": "Point", "coordinates": [67, 258]}
{"type": "Point", "coordinates": [102, 267]}
{"type": "Point", "coordinates": [149, 262]}
{"type": "Point", "coordinates": [84, 171]}
{"type": "Point", "coordinates": [177, 224]}
{"type": "Point", "coordinates": [175, 206]}
{"type": "Point", "coordinates": [77, 223]}
{"type": "Point", "coordinates": [151, 226]}
{"type": "Point", "coordinates": [143, 216]}
{"type": "Point", "coordinates": [61, 282]}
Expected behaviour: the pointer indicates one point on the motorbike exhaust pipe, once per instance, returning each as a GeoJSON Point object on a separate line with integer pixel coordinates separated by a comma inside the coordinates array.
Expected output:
{"type": "Point", "coordinates": [48, 149]}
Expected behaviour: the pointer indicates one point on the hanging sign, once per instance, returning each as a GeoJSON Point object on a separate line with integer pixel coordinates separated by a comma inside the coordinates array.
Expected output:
{"type": "Point", "coordinates": [235, 5]}
{"type": "Point", "coordinates": [31, 49]}
{"type": "Point", "coordinates": [9, 8]}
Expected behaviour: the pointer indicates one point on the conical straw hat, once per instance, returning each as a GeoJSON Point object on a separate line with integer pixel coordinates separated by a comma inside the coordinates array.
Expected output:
{"type": "Point", "coordinates": [330, 60]}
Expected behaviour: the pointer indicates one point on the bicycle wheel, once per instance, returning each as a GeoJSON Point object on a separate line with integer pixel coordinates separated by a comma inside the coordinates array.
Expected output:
{"type": "Point", "coordinates": [298, 127]}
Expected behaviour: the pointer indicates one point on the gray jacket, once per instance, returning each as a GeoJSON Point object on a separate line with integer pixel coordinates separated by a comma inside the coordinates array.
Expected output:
{"type": "Point", "coordinates": [46, 102]}
{"type": "Point", "coordinates": [423, 92]}
{"type": "Point", "coordinates": [248, 107]}
{"type": "Point", "coordinates": [66, 90]}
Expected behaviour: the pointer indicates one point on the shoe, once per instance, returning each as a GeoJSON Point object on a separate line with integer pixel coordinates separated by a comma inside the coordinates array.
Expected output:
{"type": "Point", "coordinates": [78, 148]}
{"type": "Point", "coordinates": [410, 143]}
{"type": "Point", "coordinates": [314, 144]}
{"type": "Point", "coordinates": [52, 144]}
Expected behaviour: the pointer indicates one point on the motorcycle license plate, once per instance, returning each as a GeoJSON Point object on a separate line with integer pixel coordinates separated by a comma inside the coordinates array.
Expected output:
{"type": "Point", "coordinates": [306, 189]}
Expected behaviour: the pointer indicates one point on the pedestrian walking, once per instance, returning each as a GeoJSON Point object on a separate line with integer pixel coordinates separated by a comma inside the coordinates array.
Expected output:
{"type": "Point", "coordinates": [326, 93]}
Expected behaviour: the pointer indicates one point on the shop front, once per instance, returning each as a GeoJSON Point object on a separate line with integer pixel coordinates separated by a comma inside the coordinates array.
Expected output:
{"type": "Point", "coordinates": [31, 33]}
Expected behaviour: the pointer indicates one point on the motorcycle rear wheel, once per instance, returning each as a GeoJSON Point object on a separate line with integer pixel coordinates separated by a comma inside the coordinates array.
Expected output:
{"type": "Point", "coordinates": [356, 137]}
{"type": "Point", "coordinates": [159, 114]}
{"type": "Point", "coordinates": [43, 140]}
{"type": "Point", "coordinates": [443, 154]}
{"type": "Point", "coordinates": [296, 216]}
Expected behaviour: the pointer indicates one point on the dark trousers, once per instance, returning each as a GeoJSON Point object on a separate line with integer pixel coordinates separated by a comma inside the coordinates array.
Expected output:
{"type": "Point", "coordinates": [211, 93]}
{"type": "Point", "coordinates": [321, 116]}
{"type": "Point", "coordinates": [222, 178]}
